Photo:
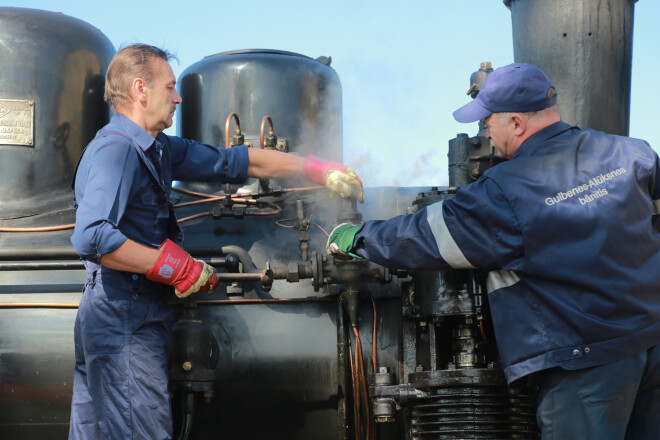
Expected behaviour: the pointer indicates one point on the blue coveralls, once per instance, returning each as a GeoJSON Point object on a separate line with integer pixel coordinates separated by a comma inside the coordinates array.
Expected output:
{"type": "Point", "coordinates": [123, 324]}
{"type": "Point", "coordinates": [568, 230]}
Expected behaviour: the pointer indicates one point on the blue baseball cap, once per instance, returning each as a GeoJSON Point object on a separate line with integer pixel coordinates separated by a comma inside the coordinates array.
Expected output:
{"type": "Point", "coordinates": [517, 87]}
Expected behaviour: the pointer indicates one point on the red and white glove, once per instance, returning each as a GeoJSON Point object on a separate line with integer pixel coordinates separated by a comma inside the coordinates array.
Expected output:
{"type": "Point", "coordinates": [338, 178]}
{"type": "Point", "coordinates": [178, 268]}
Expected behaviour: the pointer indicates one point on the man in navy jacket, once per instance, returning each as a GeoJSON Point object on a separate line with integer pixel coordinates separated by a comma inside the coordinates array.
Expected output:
{"type": "Point", "coordinates": [568, 230]}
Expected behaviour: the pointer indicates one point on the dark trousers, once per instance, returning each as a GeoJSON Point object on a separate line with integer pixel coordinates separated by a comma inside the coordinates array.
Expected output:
{"type": "Point", "coordinates": [122, 337]}
{"type": "Point", "coordinates": [616, 401]}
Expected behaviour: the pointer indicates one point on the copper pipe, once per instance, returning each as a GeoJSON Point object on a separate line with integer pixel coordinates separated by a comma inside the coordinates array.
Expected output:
{"type": "Point", "coordinates": [203, 195]}
{"type": "Point", "coordinates": [276, 210]}
{"type": "Point", "coordinates": [261, 132]}
{"type": "Point", "coordinates": [193, 217]}
{"type": "Point", "coordinates": [227, 145]}
{"type": "Point", "coordinates": [356, 400]}
{"type": "Point", "coordinates": [191, 193]}
{"type": "Point", "coordinates": [214, 199]}
{"type": "Point", "coordinates": [39, 228]}
{"type": "Point", "coordinates": [323, 230]}
{"type": "Point", "coordinates": [227, 123]}
{"type": "Point", "coordinates": [281, 224]}
{"type": "Point", "coordinates": [40, 305]}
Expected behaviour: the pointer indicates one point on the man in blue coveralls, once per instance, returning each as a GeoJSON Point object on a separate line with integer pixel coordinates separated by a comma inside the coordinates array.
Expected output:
{"type": "Point", "coordinates": [127, 234]}
{"type": "Point", "coordinates": [568, 230]}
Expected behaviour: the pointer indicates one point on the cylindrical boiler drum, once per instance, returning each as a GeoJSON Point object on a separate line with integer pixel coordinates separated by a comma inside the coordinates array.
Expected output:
{"type": "Point", "coordinates": [300, 94]}
{"type": "Point", "coordinates": [51, 105]}
{"type": "Point", "coordinates": [585, 48]}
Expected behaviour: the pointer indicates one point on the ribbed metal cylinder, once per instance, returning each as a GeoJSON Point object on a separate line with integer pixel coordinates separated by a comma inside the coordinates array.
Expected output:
{"type": "Point", "coordinates": [470, 404]}
{"type": "Point", "coordinates": [585, 48]}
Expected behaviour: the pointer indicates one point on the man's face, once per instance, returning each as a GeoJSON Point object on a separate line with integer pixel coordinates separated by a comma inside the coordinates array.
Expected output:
{"type": "Point", "coordinates": [500, 134]}
{"type": "Point", "coordinates": [162, 98]}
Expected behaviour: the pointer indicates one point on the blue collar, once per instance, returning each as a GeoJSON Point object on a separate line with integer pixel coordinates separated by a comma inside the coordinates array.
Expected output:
{"type": "Point", "coordinates": [139, 136]}
{"type": "Point", "coordinates": [537, 139]}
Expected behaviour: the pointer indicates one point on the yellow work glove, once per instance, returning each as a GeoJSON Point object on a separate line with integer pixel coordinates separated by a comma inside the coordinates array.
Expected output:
{"type": "Point", "coordinates": [338, 178]}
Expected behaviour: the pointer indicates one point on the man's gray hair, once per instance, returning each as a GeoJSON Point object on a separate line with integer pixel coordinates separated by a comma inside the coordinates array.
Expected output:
{"type": "Point", "coordinates": [504, 117]}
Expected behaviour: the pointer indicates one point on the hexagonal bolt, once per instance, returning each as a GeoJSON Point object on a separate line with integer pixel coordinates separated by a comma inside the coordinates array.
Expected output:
{"type": "Point", "coordinates": [292, 272]}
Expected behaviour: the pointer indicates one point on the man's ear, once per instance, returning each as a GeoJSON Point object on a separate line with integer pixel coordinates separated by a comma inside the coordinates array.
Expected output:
{"type": "Point", "coordinates": [519, 123]}
{"type": "Point", "coordinates": [138, 89]}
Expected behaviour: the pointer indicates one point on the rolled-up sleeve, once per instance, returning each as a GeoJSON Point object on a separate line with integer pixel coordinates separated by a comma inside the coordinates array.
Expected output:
{"type": "Point", "coordinates": [104, 186]}
{"type": "Point", "coordinates": [206, 163]}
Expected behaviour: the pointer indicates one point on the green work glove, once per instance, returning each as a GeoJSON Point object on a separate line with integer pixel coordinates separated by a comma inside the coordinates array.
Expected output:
{"type": "Point", "coordinates": [340, 242]}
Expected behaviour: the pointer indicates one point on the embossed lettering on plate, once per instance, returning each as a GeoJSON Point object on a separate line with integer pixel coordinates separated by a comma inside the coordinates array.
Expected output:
{"type": "Point", "coordinates": [16, 122]}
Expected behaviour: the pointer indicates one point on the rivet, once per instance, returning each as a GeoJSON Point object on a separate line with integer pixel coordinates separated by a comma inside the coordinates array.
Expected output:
{"type": "Point", "coordinates": [576, 352]}
{"type": "Point", "coordinates": [587, 350]}
{"type": "Point", "coordinates": [187, 366]}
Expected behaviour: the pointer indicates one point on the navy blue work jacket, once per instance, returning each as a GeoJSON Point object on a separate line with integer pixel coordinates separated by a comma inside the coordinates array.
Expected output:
{"type": "Point", "coordinates": [121, 193]}
{"type": "Point", "coordinates": [568, 231]}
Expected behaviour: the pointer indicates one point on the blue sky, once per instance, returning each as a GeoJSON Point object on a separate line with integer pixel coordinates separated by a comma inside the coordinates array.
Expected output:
{"type": "Point", "coordinates": [404, 66]}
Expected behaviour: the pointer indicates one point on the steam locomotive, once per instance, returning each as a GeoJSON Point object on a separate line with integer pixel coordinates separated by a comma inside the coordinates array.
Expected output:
{"type": "Point", "coordinates": [294, 344]}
